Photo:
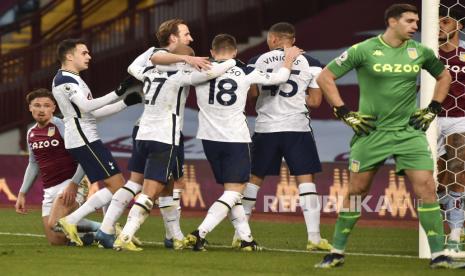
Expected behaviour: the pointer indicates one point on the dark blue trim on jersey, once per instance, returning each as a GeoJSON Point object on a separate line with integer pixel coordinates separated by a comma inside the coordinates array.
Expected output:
{"type": "Point", "coordinates": [147, 68]}
{"type": "Point", "coordinates": [312, 62]}
{"type": "Point", "coordinates": [173, 133]}
{"type": "Point", "coordinates": [61, 79]}
{"type": "Point", "coordinates": [76, 109]}
{"type": "Point", "coordinates": [178, 101]}
{"type": "Point", "coordinates": [170, 73]}
{"type": "Point", "coordinates": [79, 129]}
{"type": "Point", "coordinates": [253, 60]}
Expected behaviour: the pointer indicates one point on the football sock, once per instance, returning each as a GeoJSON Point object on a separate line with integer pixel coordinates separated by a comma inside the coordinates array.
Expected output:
{"type": "Point", "coordinates": [96, 201]}
{"type": "Point", "coordinates": [344, 225]}
{"type": "Point", "coordinates": [165, 202]}
{"type": "Point", "coordinates": [218, 211]}
{"type": "Point", "coordinates": [137, 215]}
{"type": "Point", "coordinates": [119, 202]}
{"type": "Point", "coordinates": [310, 206]}
{"type": "Point", "coordinates": [240, 222]}
{"type": "Point", "coordinates": [431, 221]}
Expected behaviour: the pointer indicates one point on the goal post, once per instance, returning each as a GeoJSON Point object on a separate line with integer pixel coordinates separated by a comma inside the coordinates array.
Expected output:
{"type": "Point", "coordinates": [429, 37]}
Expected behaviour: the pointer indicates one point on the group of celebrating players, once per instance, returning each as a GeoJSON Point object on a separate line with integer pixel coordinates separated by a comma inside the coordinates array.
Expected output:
{"type": "Point", "coordinates": [283, 84]}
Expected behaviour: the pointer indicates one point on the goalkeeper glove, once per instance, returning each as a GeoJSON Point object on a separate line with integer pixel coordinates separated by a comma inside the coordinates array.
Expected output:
{"type": "Point", "coordinates": [361, 124]}
{"type": "Point", "coordinates": [132, 99]}
{"type": "Point", "coordinates": [422, 118]}
{"type": "Point", "coordinates": [125, 84]}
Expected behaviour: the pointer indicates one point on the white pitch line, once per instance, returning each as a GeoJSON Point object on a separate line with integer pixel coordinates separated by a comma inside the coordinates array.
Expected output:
{"type": "Point", "coordinates": [264, 248]}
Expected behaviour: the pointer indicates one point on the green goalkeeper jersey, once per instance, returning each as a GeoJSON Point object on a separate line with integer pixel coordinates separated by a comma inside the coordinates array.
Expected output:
{"type": "Point", "coordinates": [387, 77]}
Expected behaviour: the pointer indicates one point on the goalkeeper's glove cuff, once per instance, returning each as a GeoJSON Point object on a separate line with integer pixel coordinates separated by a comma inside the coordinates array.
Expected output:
{"type": "Point", "coordinates": [435, 107]}
{"type": "Point", "coordinates": [340, 111]}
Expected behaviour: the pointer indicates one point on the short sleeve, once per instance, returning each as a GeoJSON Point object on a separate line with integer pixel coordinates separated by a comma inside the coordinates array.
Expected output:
{"type": "Point", "coordinates": [348, 60]}
{"type": "Point", "coordinates": [432, 64]}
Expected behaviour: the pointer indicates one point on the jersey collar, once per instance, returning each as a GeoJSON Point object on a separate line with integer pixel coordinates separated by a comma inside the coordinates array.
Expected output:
{"type": "Point", "coordinates": [380, 38]}
{"type": "Point", "coordinates": [74, 73]}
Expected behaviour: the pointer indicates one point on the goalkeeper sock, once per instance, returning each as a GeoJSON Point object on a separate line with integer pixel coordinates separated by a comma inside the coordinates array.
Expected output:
{"type": "Point", "coordinates": [431, 221]}
{"type": "Point", "coordinates": [344, 225]}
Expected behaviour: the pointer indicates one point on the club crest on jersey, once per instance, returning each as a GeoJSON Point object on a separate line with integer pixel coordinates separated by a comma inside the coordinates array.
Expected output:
{"type": "Point", "coordinates": [51, 131]}
{"type": "Point", "coordinates": [354, 166]}
{"type": "Point", "coordinates": [412, 53]}
{"type": "Point", "coordinates": [67, 87]}
{"type": "Point", "coordinates": [462, 56]}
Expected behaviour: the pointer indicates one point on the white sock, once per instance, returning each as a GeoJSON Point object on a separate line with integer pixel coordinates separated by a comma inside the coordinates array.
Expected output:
{"type": "Point", "coordinates": [170, 214]}
{"type": "Point", "coordinates": [311, 210]}
{"type": "Point", "coordinates": [96, 201]}
{"type": "Point", "coordinates": [248, 202]}
{"type": "Point", "coordinates": [165, 202]}
{"type": "Point", "coordinates": [119, 202]}
{"type": "Point", "coordinates": [455, 234]}
{"type": "Point", "coordinates": [177, 202]}
{"type": "Point", "coordinates": [218, 211]}
{"type": "Point", "coordinates": [87, 225]}
{"type": "Point", "coordinates": [137, 215]}
{"type": "Point", "coordinates": [240, 222]}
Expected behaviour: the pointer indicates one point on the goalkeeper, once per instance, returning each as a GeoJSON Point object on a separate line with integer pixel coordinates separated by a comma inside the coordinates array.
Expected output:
{"type": "Point", "coordinates": [388, 123]}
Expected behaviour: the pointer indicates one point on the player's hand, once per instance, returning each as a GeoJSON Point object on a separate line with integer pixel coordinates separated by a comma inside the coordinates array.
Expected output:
{"type": "Point", "coordinates": [361, 124]}
{"type": "Point", "coordinates": [69, 194]}
{"type": "Point", "coordinates": [292, 52]}
{"type": "Point", "coordinates": [20, 205]}
{"type": "Point", "coordinates": [132, 99]}
{"type": "Point", "coordinates": [199, 63]}
{"type": "Point", "coordinates": [422, 118]}
{"type": "Point", "coordinates": [125, 84]}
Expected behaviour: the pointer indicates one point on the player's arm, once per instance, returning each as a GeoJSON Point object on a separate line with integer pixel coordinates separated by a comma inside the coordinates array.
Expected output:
{"type": "Point", "coordinates": [314, 97]}
{"type": "Point", "coordinates": [216, 70]}
{"type": "Point", "coordinates": [422, 118]}
{"type": "Point", "coordinates": [130, 99]}
{"type": "Point", "coordinates": [282, 75]}
{"type": "Point", "coordinates": [137, 67]}
{"type": "Point", "coordinates": [252, 95]}
{"type": "Point", "coordinates": [166, 58]}
{"type": "Point", "coordinates": [30, 176]}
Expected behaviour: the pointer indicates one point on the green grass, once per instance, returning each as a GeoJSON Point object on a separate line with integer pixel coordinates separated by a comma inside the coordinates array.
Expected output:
{"type": "Point", "coordinates": [21, 255]}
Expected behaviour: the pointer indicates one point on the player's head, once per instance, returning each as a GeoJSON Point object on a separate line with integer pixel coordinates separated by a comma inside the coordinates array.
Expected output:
{"type": "Point", "coordinates": [224, 47]}
{"type": "Point", "coordinates": [172, 32]}
{"type": "Point", "coordinates": [281, 34]}
{"type": "Point", "coordinates": [450, 23]}
{"type": "Point", "coordinates": [73, 54]}
{"type": "Point", "coordinates": [182, 49]}
{"type": "Point", "coordinates": [41, 104]}
{"type": "Point", "coordinates": [402, 20]}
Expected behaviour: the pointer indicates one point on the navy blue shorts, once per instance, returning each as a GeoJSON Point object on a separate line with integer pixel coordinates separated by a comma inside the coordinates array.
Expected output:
{"type": "Point", "coordinates": [160, 159]}
{"type": "Point", "coordinates": [96, 160]}
{"type": "Point", "coordinates": [230, 162]}
{"type": "Point", "coordinates": [179, 169]}
{"type": "Point", "coordinates": [297, 148]}
{"type": "Point", "coordinates": [137, 162]}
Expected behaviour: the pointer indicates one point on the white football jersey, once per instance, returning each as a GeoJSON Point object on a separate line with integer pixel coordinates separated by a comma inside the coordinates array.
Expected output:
{"type": "Point", "coordinates": [283, 107]}
{"type": "Point", "coordinates": [222, 102]}
{"type": "Point", "coordinates": [165, 98]}
{"type": "Point", "coordinates": [80, 127]}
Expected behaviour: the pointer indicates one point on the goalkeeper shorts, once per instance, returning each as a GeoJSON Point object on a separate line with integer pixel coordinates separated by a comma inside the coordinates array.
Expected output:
{"type": "Point", "coordinates": [408, 147]}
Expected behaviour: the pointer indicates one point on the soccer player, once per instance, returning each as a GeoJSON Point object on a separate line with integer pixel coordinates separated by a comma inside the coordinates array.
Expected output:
{"type": "Point", "coordinates": [80, 111]}
{"type": "Point", "coordinates": [225, 136]}
{"type": "Point", "coordinates": [388, 123]}
{"type": "Point", "coordinates": [282, 129]}
{"type": "Point", "coordinates": [158, 139]}
{"type": "Point", "coordinates": [57, 168]}
{"type": "Point", "coordinates": [451, 123]}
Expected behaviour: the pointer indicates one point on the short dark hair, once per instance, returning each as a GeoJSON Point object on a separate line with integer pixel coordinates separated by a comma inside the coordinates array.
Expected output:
{"type": "Point", "coordinates": [396, 11]}
{"type": "Point", "coordinates": [223, 42]}
{"type": "Point", "coordinates": [452, 12]}
{"type": "Point", "coordinates": [67, 45]}
{"type": "Point", "coordinates": [283, 29]}
{"type": "Point", "coordinates": [39, 93]}
{"type": "Point", "coordinates": [168, 28]}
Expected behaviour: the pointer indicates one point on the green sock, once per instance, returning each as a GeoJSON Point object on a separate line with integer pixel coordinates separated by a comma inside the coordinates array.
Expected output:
{"type": "Point", "coordinates": [431, 221]}
{"type": "Point", "coordinates": [344, 225]}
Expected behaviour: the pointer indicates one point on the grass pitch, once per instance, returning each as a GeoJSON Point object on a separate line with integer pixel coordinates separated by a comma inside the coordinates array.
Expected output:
{"type": "Point", "coordinates": [371, 251]}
